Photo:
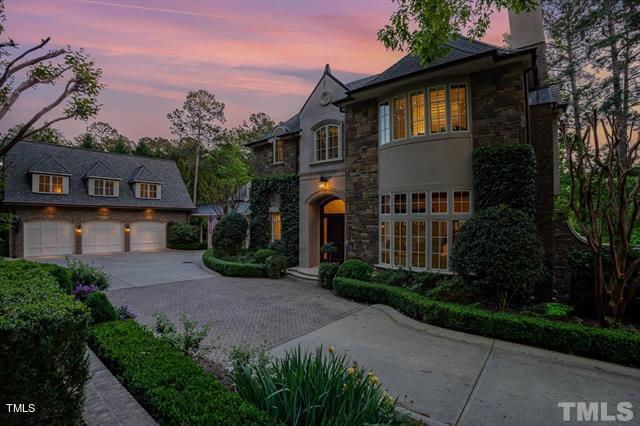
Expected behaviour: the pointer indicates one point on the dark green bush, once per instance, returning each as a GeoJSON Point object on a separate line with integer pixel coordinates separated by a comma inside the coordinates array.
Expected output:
{"type": "Point", "coordinates": [356, 269]}
{"type": "Point", "coordinates": [455, 290]}
{"type": "Point", "coordinates": [83, 273]}
{"type": "Point", "coordinates": [278, 246]}
{"type": "Point", "coordinates": [182, 233]}
{"type": "Point", "coordinates": [61, 274]}
{"type": "Point", "coordinates": [101, 308]}
{"type": "Point", "coordinates": [188, 246]}
{"type": "Point", "coordinates": [229, 234]}
{"type": "Point", "coordinates": [233, 269]}
{"type": "Point", "coordinates": [605, 344]}
{"type": "Point", "coordinates": [43, 355]}
{"type": "Point", "coordinates": [326, 273]}
{"type": "Point", "coordinates": [505, 174]}
{"type": "Point", "coordinates": [498, 251]}
{"type": "Point", "coordinates": [415, 281]}
{"type": "Point", "coordinates": [276, 266]}
{"type": "Point", "coordinates": [173, 387]}
{"type": "Point", "coordinates": [261, 255]}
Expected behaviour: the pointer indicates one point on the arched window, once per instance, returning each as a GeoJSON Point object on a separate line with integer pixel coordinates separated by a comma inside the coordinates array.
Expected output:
{"type": "Point", "coordinates": [328, 142]}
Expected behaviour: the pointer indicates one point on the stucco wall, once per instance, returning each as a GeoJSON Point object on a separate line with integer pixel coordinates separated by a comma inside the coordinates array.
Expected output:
{"type": "Point", "coordinates": [78, 215]}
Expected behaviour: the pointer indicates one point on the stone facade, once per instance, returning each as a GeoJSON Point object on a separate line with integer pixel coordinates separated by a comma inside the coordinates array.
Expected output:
{"type": "Point", "coordinates": [263, 158]}
{"type": "Point", "coordinates": [498, 106]}
{"type": "Point", "coordinates": [78, 215]}
{"type": "Point", "coordinates": [361, 181]}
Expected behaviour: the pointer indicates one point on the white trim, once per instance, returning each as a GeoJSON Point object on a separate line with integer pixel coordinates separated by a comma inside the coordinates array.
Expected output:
{"type": "Point", "coordinates": [388, 102]}
{"type": "Point", "coordinates": [453, 201]}
{"type": "Point", "coordinates": [92, 187]}
{"type": "Point", "coordinates": [35, 183]}
{"type": "Point", "coordinates": [326, 143]}
{"type": "Point", "coordinates": [406, 201]}
{"type": "Point", "coordinates": [426, 202]}
{"type": "Point", "coordinates": [139, 190]}
{"type": "Point", "coordinates": [431, 204]}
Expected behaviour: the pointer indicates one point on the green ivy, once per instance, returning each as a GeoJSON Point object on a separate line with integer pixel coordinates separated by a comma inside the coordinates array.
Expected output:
{"type": "Point", "coordinates": [505, 174]}
{"type": "Point", "coordinates": [261, 189]}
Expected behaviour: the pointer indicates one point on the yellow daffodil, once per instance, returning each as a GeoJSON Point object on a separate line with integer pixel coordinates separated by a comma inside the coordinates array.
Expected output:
{"type": "Point", "coordinates": [373, 379]}
{"type": "Point", "coordinates": [331, 349]}
{"type": "Point", "coordinates": [351, 371]}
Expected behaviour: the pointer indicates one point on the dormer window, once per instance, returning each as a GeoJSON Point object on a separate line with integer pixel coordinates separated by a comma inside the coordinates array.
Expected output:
{"type": "Point", "coordinates": [50, 184]}
{"type": "Point", "coordinates": [104, 187]}
{"type": "Point", "coordinates": [148, 190]}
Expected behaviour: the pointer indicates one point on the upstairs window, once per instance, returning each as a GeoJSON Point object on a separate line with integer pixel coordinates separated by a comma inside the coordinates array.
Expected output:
{"type": "Point", "coordinates": [439, 202]}
{"type": "Point", "coordinates": [385, 204]}
{"type": "Point", "coordinates": [384, 123]}
{"type": "Point", "coordinates": [399, 118]}
{"type": "Point", "coordinates": [327, 142]}
{"type": "Point", "coordinates": [400, 203]}
{"type": "Point", "coordinates": [276, 227]}
{"type": "Point", "coordinates": [278, 151]}
{"type": "Point", "coordinates": [104, 188]}
{"type": "Point", "coordinates": [50, 184]}
{"type": "Point", "coordinates": [458, 105]}
{"type": "Point", "coordinates": [417, 114]}
{"type": "Point", "coordinates": [148, 190]}
{"type": "Point", "coordinates": [461, 202]}
{"type": "Point", "coordinates": [438, 110]}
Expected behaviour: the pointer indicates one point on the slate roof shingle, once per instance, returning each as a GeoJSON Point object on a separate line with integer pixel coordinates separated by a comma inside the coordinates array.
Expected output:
{"type": "Point", "coordinates": [79, 163]}
{"type": "Point", "coordinates": [101, 170]}
{"type": "Point", "coordinates": [50, 165]}
{"type": "Point", "coordinates": [143, 174]}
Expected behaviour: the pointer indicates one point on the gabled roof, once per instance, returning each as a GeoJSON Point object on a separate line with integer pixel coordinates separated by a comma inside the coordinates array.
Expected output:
{"type": "Point", "coordinates": [49, 164]}
{"type": "Point", "coordinates": [143, 174]}
{"type": "Point", "coordinates": [356, 84]}
{"type": "Point", "coordinates": [101, 170]}
{"type": "Point", "coordinates": [289, 127]}
{"type": "Point", "coordinates": [460, 49]}
{"type": "Point", "coordinates": [82, 162]}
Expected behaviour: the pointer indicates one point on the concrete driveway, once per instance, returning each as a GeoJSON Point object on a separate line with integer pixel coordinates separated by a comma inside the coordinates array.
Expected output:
{"type": "Point", "coordinates": [139, 269]}
{"type": "Point", "coordinates": [456, 378]}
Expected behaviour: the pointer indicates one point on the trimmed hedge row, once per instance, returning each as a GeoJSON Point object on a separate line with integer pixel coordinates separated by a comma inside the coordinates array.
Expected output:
{"type": "Point", "coordinates": [43, 346]}
{"type": "Point", "coordinates": [233, 269]}
{"type": "Point", "coordinates": [618, 346]}
{"type": "Point", "coordinates": [187, 246]}
{"type": "Point", "coordinates": [169, 384]}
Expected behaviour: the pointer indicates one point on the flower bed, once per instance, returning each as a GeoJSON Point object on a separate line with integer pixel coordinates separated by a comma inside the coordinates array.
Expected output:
{"type": "Point", "coordinates": [618, 346]}
{"type": "Point", "coordinates": [169, 384]}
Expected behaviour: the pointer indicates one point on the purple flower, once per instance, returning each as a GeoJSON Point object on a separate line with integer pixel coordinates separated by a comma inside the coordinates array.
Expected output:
{"type": "Point", "coordinates": [82, 291]}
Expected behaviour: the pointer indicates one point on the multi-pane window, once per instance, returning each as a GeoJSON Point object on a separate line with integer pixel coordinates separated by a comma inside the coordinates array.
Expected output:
{"type": "Point", "coordinates": [276, 227]}
{"type": "Point", "coordinates": [400, 243]}
{"type": "Point", "coordinates": [385, 204]}
{"type": "Point", "coordinates": [148, 190]}
{"type": "Point", "coordinates": [418, 243]}
{"type": "Point", "coordinates": [384, 123]}
{"type": "Point", "coordinates": [385, 243]}
{"type": "Point", "coordinates": [418, 202]}
{"type": "Point", "coordinates": [455, 227]}
{"type": "Point", "coordinates": [458, 106]}
{"type": "Point", "coordinates": [399, 118]}
{"type": "Point", "coordinates": [461, 202]}
{"type": "Point", "coordinates": [439, 249]}
{"type": "Point", "coordinates": [400, 203]}
{"type": "Point", "coordinates": [105, 188]}
{"type": "Point", "coordinates": [417, 114]}
{"type": "Point", "coordinates": [439, 202]}
{"type": "Point", "coordinates": [50, 184]}
{"type": "Point", "coordinates": [437, 110]}
{"type": "Point", "coordinates": [327, 142]}
{"type": "Point", "coordinates": [278, 151]}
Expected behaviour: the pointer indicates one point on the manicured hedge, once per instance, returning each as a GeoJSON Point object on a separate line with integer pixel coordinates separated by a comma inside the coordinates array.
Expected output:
{"type": "Point", "coordinates": [233, 269]}
{"type": "Point", "coordinates": [505, 174]}
{"type": "Point", "coordinates": [43, 352]}
{"type": "Point", "coordinates": [188, 246]}
{"type": "Point", "coordinates": [618, 346]}
{"type": "Point", "coordinates": [170, 385]}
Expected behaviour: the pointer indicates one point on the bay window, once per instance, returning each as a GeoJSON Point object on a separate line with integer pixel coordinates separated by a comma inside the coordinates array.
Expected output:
{"type": "Point", "coordinates": [385, 204]}
{"type": "Point", "coordinates": [385, 243]}
{"type": "Point", "coordinates": [439, 202]}
{"type": "Point", "coordinates": [461, 203]}
{"type": "Point", "coordinates": [418, 202]}
{"type": "Point", "coordinates": [400, 243]}
{"type": "Point", "coordinates": [399, 118]}
{"type": "Point", "coordinates": [384, 123]}
{"type": "Point", "coordinates": [400, 203]}
{"type": "Point", "coordinates": [437, 110]}
{"type": "Point", "coordinates": [458, 106]}
{"type": "Point", "coordinates": [418, 243]}
{"type": "Point", "coordinates": [439, 250]}
{"type": "Point", "coordinates": [417, 114]}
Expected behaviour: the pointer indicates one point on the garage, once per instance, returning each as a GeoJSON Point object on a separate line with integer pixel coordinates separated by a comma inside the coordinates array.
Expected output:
{"type": "Point", "coordinates": [48, 238]}
{"type": "Point", "coordinates": [148, 235]}
{"type": "Point", "coordinates": [104, 236]}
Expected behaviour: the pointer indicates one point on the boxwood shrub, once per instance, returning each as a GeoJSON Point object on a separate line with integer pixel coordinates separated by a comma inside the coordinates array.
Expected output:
{"type": "Point", "coordinates": [101, 308]}
{"type": "Point", "coordinates": [356, 269]}
{"type": "Point", "coordinates": [618, 346]}
{"type": "Point", "coordinates": [43, 346]}
{"type": "Point", "coordinates": [233, 269]}
{"type": "Point", "coordinates": [326, 273]}
{"type": "Point", "coordinates": [187, 246]}
{"type": "Point", "coordinates": [170, 385]}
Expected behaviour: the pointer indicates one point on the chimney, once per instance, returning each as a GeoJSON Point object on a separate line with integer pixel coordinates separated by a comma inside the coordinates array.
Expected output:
{"type": "Point", "coordinates": [527, 31]}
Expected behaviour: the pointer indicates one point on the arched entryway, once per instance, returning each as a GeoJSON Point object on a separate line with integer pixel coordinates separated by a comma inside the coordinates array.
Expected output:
{"type": "Point", "coordinates": [332, 228]}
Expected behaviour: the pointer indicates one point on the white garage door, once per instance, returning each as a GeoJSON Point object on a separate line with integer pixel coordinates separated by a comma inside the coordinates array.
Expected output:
{"type": "Point", "coordinates": [48, 238]}
{"type": "Point", "coordinates": [103, 236]}
{"type": "Point", "coordinates": [148, 236]}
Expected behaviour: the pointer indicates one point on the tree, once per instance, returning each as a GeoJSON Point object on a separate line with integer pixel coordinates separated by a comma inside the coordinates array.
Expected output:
{"type": "Point", "coordinates": [424, 27]}
{"type": "Point", "coordinates": [605, 200]}
{"type": "Point", "coordinates": [72, 67]}
{"type": "Point", "coordinates": [157, 147]}
{"type": "Point", "coordinates": [48, 134]}
{"type": "Point", "coordinates": [198, 120]}
{"type": "Point", "coordinates": [259, 125]}
{"type": "Point", "coordinates": [103, 136]}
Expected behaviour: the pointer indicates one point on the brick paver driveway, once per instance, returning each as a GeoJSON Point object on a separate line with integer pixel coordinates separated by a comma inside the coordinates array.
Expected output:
{"type": "Point", "coordinates": [259, 312]}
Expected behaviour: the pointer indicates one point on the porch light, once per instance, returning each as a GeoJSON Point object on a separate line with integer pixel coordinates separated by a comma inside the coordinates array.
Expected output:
{"type": "Point", "coordinates": [126, 228]}
{"type": "Point", "coordinates": [78, 229]}
{"type": "Point", "coordinates": [324, 183]}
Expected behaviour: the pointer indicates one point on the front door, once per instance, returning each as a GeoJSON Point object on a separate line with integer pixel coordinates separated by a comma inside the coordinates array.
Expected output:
{"type": "Point", "coordinates": [332, 230]}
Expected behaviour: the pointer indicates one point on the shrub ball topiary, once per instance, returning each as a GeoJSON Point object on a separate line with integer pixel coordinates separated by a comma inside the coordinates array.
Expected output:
{"type": "Point", "coordinates": [101, 309]}
{"type": "Point", "coordinates": [326, 273]}
{"type": "Point", "coordinates": [356, 269]}
{"type": "Point", "coordinates": [499, 252]}
{"type": "Point", "coordinates": [229, 234]}
{"type": "Point", "coordinates": [183, 233]}
{"type": "Point", "coordinates": [261, 255]}
{"type": "Point", "coordinates": [276, 266]}
{"type": "Point", "coordinates": [505, 174]}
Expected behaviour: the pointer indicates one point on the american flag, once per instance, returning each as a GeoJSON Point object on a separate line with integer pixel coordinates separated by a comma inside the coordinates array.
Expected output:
{"type": "Point", "coordinates": [213, 221]}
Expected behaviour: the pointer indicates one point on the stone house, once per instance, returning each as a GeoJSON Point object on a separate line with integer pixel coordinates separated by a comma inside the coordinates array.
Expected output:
{"type": "Point", "coordinates": [385, 162]}
{"type": "Point", "coordinates": [70, 200]}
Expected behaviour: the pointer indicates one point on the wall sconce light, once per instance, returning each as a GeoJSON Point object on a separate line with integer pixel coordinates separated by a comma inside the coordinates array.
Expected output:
{"type": "Point", "coordinates": [324, 183]}
{"type": "Point", "coordinates": [126, 228]}
{"type": "Point", "coordinates": [78, 229]}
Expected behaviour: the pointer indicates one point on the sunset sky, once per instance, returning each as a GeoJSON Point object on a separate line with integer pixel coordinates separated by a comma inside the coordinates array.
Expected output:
{"type": "Point", "coordinates": [254, 55]}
